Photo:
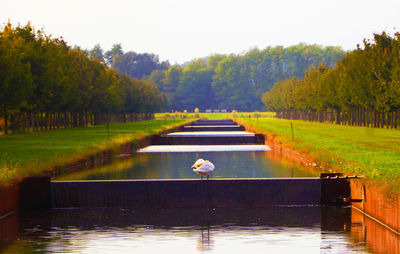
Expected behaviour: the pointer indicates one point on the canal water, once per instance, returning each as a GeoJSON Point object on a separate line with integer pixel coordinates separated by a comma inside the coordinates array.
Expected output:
{"type": "Point", "coordinates": [268, 230]}
{"type": "Point", "coordinates": [175, 161]}
{"type": "Point", "coordinates": [176, 164]}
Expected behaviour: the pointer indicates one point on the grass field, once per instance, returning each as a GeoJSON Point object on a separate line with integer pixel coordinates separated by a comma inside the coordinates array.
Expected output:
{"type": "Point", "coordinates": [372, 152]}
{"type": "Point", "coordinates": [215, 115]}
{"type": "Point", "coordinates": [27, 154]}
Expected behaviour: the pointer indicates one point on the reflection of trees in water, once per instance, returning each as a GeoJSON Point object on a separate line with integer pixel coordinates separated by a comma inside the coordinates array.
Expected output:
{"type": "Point", "coordinates": [284, 167]}
{"type": "Point", "coordinates": [98, 173]}
{"type": "Point", "coordinates": [177, 166]}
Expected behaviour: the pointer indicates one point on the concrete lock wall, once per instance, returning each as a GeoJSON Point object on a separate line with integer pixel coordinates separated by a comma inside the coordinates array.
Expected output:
{"type": "Point", "coordinates": [9, 198]}
{"type": "Point", "coordinates": [190, 193]}
{"type": "Point", "coordinates": [40, 193]}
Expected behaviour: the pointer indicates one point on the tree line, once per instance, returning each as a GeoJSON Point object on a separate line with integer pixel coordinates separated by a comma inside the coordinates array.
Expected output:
{"type": "Point", "coordinates": [362, 89]}
{"type": "Point", "coordinates": [237, 81]}
{"type": "Point", "coordinates": [45, 84]}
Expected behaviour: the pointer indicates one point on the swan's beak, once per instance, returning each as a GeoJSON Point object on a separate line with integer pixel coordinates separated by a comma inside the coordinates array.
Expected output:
{"type": "Point", "coordinates": [193, 166]}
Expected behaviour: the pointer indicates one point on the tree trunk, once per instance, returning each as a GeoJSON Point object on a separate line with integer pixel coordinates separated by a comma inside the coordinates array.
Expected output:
{"type": "Point", "coordinates": [5, 122]}
{"type": "Point", "coordinates": [80, 118]}
{"type": "Point", "coordinates": [46, 120]}
{"type": "Point", "coordinates": [337, 116]}
{"type": "Point", "coordinates": [74, 120]}
{"type": "Point", "coordinates": [58, 120]}
{"type": "Point", "coordinates": [28, 121]}
{"type": "Point", "coordinates": [86, 118]}
{"type": "Point", "coordinates": [12, 123]}
{"type": "Point", "coordinates": [391, 120]}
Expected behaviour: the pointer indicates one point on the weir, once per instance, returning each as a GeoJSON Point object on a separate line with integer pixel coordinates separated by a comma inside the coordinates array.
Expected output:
{"type": "Point", "coordinates": [213, 128]}
{"type": "Point", "coordinates": [221, 193]}
{"type": "Point", "coordinates": [210, 132]}
{"type": "Point", "coordinates": [213, 122]}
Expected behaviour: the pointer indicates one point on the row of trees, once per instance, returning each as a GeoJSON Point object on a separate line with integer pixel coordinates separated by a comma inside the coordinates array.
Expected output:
{"type": "Point", "coordinates": [237, 81]}
{"type": "Point", "coordinates": [45, 84]}
{"type": "Point", "coordinates": [362, 89]}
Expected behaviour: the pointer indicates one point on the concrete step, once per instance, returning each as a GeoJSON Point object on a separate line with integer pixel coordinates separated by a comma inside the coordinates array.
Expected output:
{"type": "Point", "coordinates": [207, 140]}
{"type": "Point", "coordinates": [213, 122]}
{"type": "Point", "coordinates": [245, 193]}
{"type": "Point", "coordinates": [214, 128]}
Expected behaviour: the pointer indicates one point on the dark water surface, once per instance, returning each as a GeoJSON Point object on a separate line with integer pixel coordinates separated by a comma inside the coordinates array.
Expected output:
{"type": "Point", "coordinates": [176, 165]}
{"type": "Point", "coordinates": [267, 230]}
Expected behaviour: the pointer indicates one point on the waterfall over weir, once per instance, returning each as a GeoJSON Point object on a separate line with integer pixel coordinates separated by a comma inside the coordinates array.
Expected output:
{"type": "Point", "coordinates": [203, 148]}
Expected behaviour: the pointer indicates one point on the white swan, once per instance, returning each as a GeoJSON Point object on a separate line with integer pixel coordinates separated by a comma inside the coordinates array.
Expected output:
{"type": "Point", "coordinates": [203, 167]}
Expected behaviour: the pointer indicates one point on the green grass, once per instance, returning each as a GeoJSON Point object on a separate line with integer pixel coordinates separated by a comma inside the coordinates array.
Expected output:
{"type": "Point", "coordinates": [372, 152]}
{"type": "Point", "coordinates": [214, 116]}
{"type": "Point", "coordinates": [28, 154]}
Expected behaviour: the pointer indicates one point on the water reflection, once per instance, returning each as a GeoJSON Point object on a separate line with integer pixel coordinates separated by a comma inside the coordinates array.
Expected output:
{"type": "Point", "coordinates": [254, 164]}
{"type": "Point", "coordinates": [205, 242]}
{"type": "Point", "coordinates": [378, 238]}
{"type": "Point", "coordinates": [274, 229]}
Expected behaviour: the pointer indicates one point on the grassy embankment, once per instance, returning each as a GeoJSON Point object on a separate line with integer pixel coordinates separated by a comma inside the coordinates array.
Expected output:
{"type": "Point", "coordinates": [372, 152]}
{"type": "Point", "coordinates": [29, 154]}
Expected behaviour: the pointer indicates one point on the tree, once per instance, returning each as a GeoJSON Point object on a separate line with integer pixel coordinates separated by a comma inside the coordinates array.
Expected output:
{"type": "Point", "coordinates": [158, 78]}
{"type": "Point", "coordinates": [138, 65]}
{"type": "Point", "coordinates": [194, 87]}
{"type": "Point", "coordinates": [15, 76]}
{"type": "Point", "coordinates": [233, 85]}
{"type": "Point", "coordinates": [97, 53]}
{"type": "Point", "coordinates": [170, 85]}
{"type": "Point", "coordinates": [115, 51]}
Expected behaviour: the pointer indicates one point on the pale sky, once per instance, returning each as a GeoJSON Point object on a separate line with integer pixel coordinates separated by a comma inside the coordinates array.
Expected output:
{"type": "Point", "coordinates": [181, 30]}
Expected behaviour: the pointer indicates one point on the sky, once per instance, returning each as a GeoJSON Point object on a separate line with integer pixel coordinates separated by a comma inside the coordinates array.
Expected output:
{"type": "Point", "coordinates": [181, 30]}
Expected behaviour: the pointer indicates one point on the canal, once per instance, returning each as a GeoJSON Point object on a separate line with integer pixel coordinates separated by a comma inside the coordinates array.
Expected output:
{"type": "Point", "coordinates": [283, 229]}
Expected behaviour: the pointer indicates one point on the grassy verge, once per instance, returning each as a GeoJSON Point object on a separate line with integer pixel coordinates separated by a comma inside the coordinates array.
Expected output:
{"type": "Point", "coordinates": [28, 154]}
{"type": "Point", "coordinates": [214, 115]}
{"type": "Point", "coordinates": [372, 152]}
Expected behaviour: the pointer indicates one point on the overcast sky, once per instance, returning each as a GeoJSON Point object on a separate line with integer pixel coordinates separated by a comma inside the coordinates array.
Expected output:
{"type": "Point", "coordinates": [181, 30]}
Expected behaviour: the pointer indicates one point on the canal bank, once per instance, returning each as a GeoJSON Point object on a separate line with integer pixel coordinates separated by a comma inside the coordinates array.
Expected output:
{"type": "Point", "coordinates": [378, 207]}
